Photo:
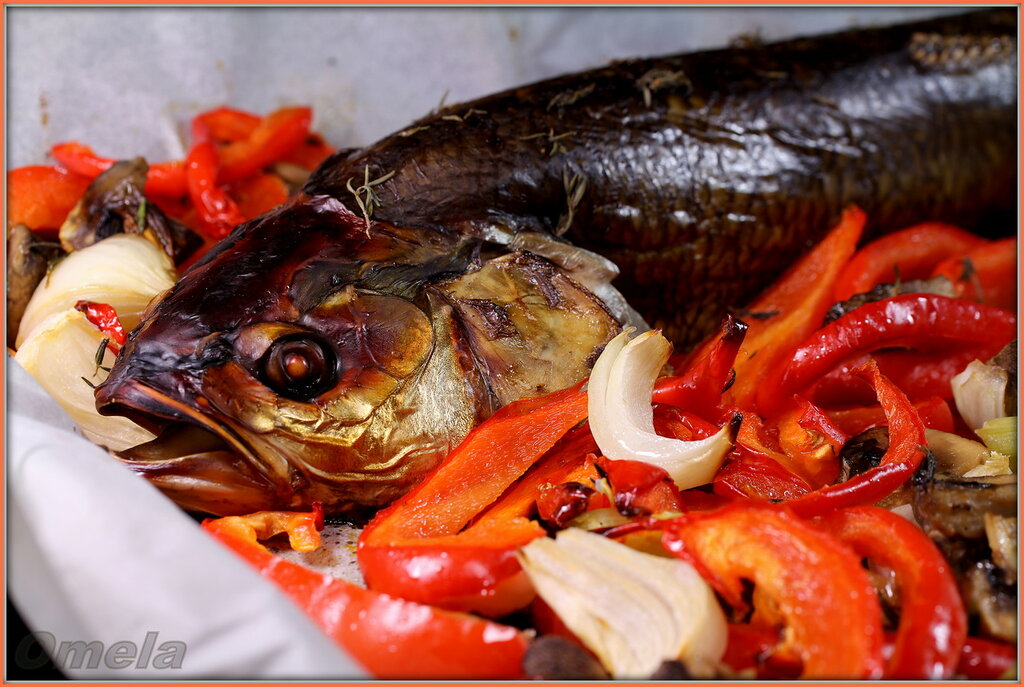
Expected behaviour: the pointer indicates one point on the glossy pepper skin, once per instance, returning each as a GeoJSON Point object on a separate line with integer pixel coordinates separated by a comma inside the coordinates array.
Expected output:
{"type": "Point", "coordinates": [374, 628]}
{"type": "Point", "coordinates": [933, 622]}
{"type": "Point", "coordinates": [814, 583]}
{"type": "Point", "coordinates": [704, 172]}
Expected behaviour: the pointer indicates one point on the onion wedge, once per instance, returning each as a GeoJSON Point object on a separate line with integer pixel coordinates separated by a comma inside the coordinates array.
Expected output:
{"type": "Point", "coordinates": [632, 609]}
{"type": "Point", "coordinates": [622, 418]}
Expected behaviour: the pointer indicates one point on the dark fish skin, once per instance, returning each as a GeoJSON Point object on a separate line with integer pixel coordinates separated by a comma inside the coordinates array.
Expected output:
{"type": "Point", "coordinates": [742, 158]}
{"type": "Point", "coordinates": [326, 353]}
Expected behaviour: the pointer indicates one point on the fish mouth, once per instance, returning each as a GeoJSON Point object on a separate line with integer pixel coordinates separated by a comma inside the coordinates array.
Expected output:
{"type": "Point", "coordinates": [201, 464]}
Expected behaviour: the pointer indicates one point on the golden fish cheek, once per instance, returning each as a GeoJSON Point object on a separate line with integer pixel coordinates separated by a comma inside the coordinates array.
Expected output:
{"type": "Point", "coordinates": [386, 332]}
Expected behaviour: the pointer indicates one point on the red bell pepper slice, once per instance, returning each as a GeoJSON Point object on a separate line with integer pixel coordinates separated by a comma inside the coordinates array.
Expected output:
{"type": "Point", "coordinates": [417, 548]}
{"type": "Point", "coordinates": [750, 475]}
{"type": "Point", "coordinates": [918, 320]}
{"type": "Point", "coordinates": [277, 135]}
{"type": "Point", "coordinates": [258, 194]}
{"type": "Point", "coordinates": [934, 412]}
{"type": "Point", "coordinates": [919, 374]}
{"type": "Point", "coordinates": [987, 273]}
{"type": "Point", "coordinates": [223, 125]}
{"type": "Point", "coordinates": [104, 318]}
{"type": "Point", "coordinates": [906, 449]}
{"type": "Point", "coordinates": [816, 586]}
{"type": "Point", "coordinates": [933, 623]}
{"type": "Point", "coordinates": [983, 659]}
{"type": "Point", "coordinates": [41, 197]}
{"type": "Point", "coordinates": [310, 153]}
{"type": "Point", "coordinates": [375, 628]}
{"type": "Point", "coordinates": [911, 253]}
{"type": "Point", "coordinates": [217, 212]}
{"type": "Point", "coordinates": [811, 442]}
{"type": "Point", "coordinates": [706, 376]}
{"type": "Point", "coordinates": [793, 308]}
{"type": "Point", "coordinates": [570, 461]}
{"type": "Point", "coordinates": [163, 178]}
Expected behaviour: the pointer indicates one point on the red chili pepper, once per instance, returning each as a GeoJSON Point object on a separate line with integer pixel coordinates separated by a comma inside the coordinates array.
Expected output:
{"type": "Point", "coordinates": [933, 623]}
{"type": "Point", "coordinates": [908, 254]}
{"type": "Point", "coordinates": [906, 449]}
{"type": "Point", "coordinates": [41, 197]}
{"type": "Point", "coordinates": [277, 135]}
{"type": "Point", "coordinates": [786, 314]}
{"type": "Point", "coordinates": [987, 273]}
{"type": "Point", "coordinates": [163, 178]}
{"type": "Point", "coordinates": [217, 212]}
{"type": "Point", "coordinates": [417, 548]}
{"type": "Point", "coordinates": [934, 412]}
{"type": "Point", "coordinates": [392, 638]}
{"type": "Point", "coordinates": [813, 585]}
{"type": "Point", "coordinates": [104, 318]}
{"type": "Point", "coordinates": [919, 374]}
{"type": "Point", "coordinates": [706, 376]}
{"type": "Point", "coordinates": [924, 321]}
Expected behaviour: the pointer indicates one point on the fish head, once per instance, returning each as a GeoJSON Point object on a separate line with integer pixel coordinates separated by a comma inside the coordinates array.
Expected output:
{"type": "Point", "coordinates": [309, 360]}
{"type": "Point", "coordinates": [288, 367]}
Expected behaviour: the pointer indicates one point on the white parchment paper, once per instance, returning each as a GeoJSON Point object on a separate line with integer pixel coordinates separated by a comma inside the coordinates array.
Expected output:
{"type": "Point", "coordinates": [94, 553]}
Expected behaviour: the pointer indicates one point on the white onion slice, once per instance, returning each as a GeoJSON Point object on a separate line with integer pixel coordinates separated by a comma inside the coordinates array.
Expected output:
{"type": "Point", "coordinates": [60, 352]}
{"type": "Point", "coordinates": [978, 391]}
{"type": "Point", "coordinates": [124, 271]}
{"type": "Point", "coordinates": [622, 418]}
{"type": "Point", "coordinates": [632, 609]}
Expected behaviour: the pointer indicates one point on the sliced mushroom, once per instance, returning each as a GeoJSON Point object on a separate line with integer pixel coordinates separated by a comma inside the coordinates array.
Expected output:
{"type": "Point", "coordinates": [27, 260]}
{"type": "Point", "coordinates": [992, 599]}
{"type": "Point", "coordinates": [115, 203]}
{"type": "Point", "coordinates": [551, 657]}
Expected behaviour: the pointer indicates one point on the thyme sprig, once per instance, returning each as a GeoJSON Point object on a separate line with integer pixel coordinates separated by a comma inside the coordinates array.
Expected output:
{"type": "Point", "coordinates": [463, 117]}
{"type": "Point", "coordinates": [140, 216]}
{"type": "Point", "coordinates": [575, 187]}
{"type": "Point", "coordinates": [551, 139]}
{"type": "Point", "coordinates": [98, 358]}
{"type": "Point", "coordinates": [366, 197]}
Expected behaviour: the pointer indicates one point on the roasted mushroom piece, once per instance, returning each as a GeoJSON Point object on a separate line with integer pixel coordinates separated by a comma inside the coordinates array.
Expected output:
{"type": "Point", "coordinates": [115, 203]}
{"type": "Point", "coordinates": [27, 261]}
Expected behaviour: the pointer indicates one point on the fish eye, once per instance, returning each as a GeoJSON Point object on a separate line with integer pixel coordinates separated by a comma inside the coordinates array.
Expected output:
{"type": "Point", "coordinates": [299, 367]}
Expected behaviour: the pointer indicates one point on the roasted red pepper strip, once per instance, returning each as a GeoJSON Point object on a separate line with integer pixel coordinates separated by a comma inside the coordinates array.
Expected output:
{"type": "Point", "coordinates": [104, 318]}
{"type": "Point", "coordinates": [933, 623]}
{"type": "Point", "coordinates": [919, 374]}
{"type": "Point", "coordinates": [417, 548]}
{"type": "Point", "coordinates": [277, 135]}
{"type": "Point", "coordinates": [163, 178]}
{"type": "Point", "coordinates": [641, 488]}
{"type": "Point", "coordinates": [375, 628]}
{"type": "Point", "coordinates": [217, 212]}
{"type": "Point", "coordinates": [786, 314]}
{"type": "Point", "coordinates": [699, 387]}
{"type": "Point", "coordinates": [912, 252]}
{"type": "Point", "coordinates": [816, 586]}
{"type": "Point", "coordinates": [258, 194]}
{"type": "Point", "coordinates": [987, 273]}
{"type": "Point", "coordinates": [906, 449]}
{"type": "Point", "coordinates": [41, 197]}
{"type": "Point", "coordinates": [310, 153]}
{"type": "Point", "coordinates": [810, 442]}
{"type": "Point", "coordinates": [983, 659]}
{"type": "Point", "coordinates": [918, 320]}
{"type": "Point", "coordinates": [934, 412]}
{"type": "Point", "coordinates": [223, 125]}
{"type": "Point", "coordinates": [751, 475]}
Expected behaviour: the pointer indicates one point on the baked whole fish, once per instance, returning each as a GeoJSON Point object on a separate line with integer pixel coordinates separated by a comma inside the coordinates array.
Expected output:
{"type": "Point", "coordinates": [335, 349]}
